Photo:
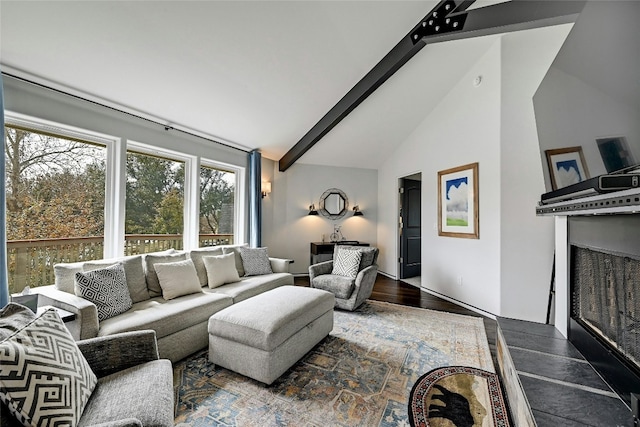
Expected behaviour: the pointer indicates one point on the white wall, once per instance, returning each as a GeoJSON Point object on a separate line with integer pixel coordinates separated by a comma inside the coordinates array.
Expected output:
{"type": "Point", "coordinates": [462, 129]}
{"type": "Point", "coordinates": [527, 241]}
{"type": "Point", "coordinates": [572, 113]}
{"type": "Point", "coordinates": [288, 230]}
{"type": "Point", "coordinates": [506, 272]}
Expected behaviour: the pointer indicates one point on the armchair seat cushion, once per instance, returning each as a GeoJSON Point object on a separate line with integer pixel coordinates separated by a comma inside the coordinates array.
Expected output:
{"type": "Point", "coordinates": [143, 392]}
{"type": "Point", "coordinates": [340, 286]}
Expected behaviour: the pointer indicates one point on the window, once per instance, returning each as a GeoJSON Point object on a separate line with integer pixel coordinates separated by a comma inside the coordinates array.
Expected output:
{"type": "Point", "coordinates": [154, 217]}
{"type": "Point", "coordinates": [217, 206]}
{"type": "Point", "coordinates": [77, 195]}
{"type": "Point", "coordinates": [55, 191]}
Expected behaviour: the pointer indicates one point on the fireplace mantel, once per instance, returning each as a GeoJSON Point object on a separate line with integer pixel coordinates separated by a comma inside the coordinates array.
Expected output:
{"type": "Point", "coordinates": [618, 202]}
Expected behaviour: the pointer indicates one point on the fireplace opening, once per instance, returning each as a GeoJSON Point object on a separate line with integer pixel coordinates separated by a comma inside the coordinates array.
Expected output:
{"type": "Point", "coordinates": [605, 313]}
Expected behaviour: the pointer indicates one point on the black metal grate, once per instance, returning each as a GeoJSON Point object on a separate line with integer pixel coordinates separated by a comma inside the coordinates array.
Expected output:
{"type": "Point", "coordinates": [605, 298]}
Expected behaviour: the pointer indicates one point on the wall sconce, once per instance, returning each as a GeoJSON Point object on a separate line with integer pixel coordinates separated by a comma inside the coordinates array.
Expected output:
{"type": "Point", "coordinates": [266, 188]}
{"type": "Point", "coordinates": [312, 210]}
{"type": "Point", "coordinates": [357, 211]}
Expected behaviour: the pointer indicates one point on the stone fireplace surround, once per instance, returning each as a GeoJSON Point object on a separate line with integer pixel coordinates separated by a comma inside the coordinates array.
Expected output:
{"type": "Point", "coordinates": [606, 228]}
{"type": "Point", "coordinates": [548, 381]}
{"type": "Point", "coordinates": [603, 281]}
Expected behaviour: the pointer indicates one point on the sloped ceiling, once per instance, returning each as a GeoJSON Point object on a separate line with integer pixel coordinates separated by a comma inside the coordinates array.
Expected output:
{"type": "Point", "coordinates": [255, 74]}
{"type": "Point", "coordinates": [252, 74]}
{"type": "Point", "coordinates": [372, 131]}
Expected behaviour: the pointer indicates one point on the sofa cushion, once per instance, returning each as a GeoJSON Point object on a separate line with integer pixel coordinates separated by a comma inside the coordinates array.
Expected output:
{"type": "Point", "coordinates": [251, 286]}
{"type": "Point", "coordinates": [44, 378]}
{"type": "Point", "coordinates": [150, 272]}
{"type": "Point", "coordinates": [220, 270]}
{"type": "Point", "coordinates": [133, 270]}
{"type": "Point", "coordinates": [255, 261]}
{"type": "Point", "coordinates": [234, 250]}
{"type": "Point", "coordinates": [342, 287]}
{"type": "Point", "coordinates": [347, 263]}
{"type": "Point", "coordinates": [197, 256]}
{"type": "Point", "coordinates": [118, 396]}
{"type": "Point", "coordinates": [166, 317]}
{"type": "Point", "coordinates": [106, 288]}
{"type": "Point", "coordinates": [65, 275]}
{"type": "Point", "coordinates": [177, 278]}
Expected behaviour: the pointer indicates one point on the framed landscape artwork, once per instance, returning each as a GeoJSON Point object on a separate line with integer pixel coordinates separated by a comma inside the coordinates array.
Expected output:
{"type": "Point", "coordinates": [566, 166]}
{"type": "Point", "coordinates": [458, 202]}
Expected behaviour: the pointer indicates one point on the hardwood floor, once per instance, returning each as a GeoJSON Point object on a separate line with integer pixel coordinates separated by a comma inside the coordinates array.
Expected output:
{"type": "Point", "coordinates": [398, 292]}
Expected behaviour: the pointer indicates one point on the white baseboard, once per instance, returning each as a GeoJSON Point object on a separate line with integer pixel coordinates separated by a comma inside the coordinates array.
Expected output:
{"type": "Point", "coordinates": [460, 303]}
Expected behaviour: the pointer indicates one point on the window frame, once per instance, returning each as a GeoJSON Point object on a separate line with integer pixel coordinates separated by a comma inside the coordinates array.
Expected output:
{"type": "Point", "coordinates": [238, 199]}
{"type": "Point", "coordinates": [115, 180]}
{"type": "Point", "coordinates": [112, 179]}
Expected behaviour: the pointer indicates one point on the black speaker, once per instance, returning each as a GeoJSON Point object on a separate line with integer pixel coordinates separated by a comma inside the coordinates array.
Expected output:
{"type": "Point", "coordinates": [619, 182]}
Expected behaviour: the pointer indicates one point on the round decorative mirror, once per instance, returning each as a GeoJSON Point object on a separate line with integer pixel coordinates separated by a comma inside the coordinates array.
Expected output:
{"type": "Point", "coordinates": [333, 203]}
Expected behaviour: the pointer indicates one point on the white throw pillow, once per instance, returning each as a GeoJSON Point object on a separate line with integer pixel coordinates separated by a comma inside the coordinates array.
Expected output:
{"type": "Point", "coordinates": [347, 263]}
{"type": "Point", "coordinates": [196, 256]}
{"type": "Point", "coordinates": [255, 261]}
{"type": "Point", "coordinates": [44, 378]}
{"type": "Point", "coordinates": [106, 288]}
{"type": "Point", "coordinates": [221, 269]}
{"type": "Point", "coordinates": [149, 260]}
{"type": "Point", "coordinates": [177, 278]}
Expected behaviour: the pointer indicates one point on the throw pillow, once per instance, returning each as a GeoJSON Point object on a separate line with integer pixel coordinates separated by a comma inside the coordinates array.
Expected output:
{"type": "Point", "coordinates": [133, 270]}
{"type": "Point", "coordinates": [197, 255]}
{"type": "Point", "coordinates": [107, 289]}
{"type": "Point", "coordinates": [347, 263]}
{"type": "Point", "coordinates": [14, 317]}
{"type": "Point", "coordinates": [234, 249]}
{"type": "Point", "coordinates": [221, 269]}
{"type": "Point", "coordinates": [44, 378]}
{"type": "Point", "coordinates": [150, 272]}
{"type": "Point", "coordinates": [255, 261]}
{"type": "Point", "coordinates": [177, 279]}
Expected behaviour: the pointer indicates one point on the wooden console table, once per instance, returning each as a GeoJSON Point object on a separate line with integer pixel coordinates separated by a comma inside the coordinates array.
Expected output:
{"type": "Point", "coordinates": [323, 251]}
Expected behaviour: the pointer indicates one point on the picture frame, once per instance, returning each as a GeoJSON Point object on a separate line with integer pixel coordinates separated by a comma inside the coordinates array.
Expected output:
{"type": "Point", "coordinates": [566, 166]}
{"type": "Point", "coordinates": [458, 202]}
{"type": "Point", "coordinates": [615, 153]}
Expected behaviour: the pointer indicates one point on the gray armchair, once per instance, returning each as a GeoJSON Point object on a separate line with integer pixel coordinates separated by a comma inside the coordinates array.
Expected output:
{"type": "Point", "coordinates": [135, 387]}
{"type": "Point", "coordinates": [350, 293]}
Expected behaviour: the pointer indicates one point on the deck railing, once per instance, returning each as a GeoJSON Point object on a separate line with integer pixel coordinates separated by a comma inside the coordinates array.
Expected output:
{"type": "Point", "coordinates": [30, 262]}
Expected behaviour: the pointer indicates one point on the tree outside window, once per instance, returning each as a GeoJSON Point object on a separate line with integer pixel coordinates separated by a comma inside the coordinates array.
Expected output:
{"type": "Point", "coordinates": [154, 218]}
{"type": "Point", "coordinates": [217, 206]}
{"type": "Point", "coordinates": [55, 191]}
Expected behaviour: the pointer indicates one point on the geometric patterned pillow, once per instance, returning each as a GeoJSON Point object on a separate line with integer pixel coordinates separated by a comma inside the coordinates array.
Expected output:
{"type": "Point", "coordinates": [255, 261]}
{"type": "Point", "coordinates": [106, 288]}
{"type": "Point", "coordinates": [347, 263]}
{"type": "Point", "coordinates": [44, 378]}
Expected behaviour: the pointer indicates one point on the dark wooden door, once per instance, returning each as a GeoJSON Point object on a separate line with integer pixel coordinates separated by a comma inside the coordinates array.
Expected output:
{"type": "Point", "coordinates": [410, 228]}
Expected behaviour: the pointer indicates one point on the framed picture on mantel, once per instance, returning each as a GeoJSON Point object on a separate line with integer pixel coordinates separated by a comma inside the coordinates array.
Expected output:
{"type": "Point", "coordinates": [458, 202]}
{"type": "Point", "coordinates": [566, 166]}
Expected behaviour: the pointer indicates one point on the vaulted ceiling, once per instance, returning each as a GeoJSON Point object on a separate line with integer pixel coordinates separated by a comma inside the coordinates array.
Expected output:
{"type": "Point", "coordinates": [252, 74]}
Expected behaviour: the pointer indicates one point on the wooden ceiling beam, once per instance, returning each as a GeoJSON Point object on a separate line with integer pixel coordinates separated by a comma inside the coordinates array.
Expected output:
{"type": "Point", "coordinates": [514, 15]}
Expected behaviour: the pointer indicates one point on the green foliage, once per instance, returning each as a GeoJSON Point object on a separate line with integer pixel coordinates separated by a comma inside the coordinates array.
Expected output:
{"type": "Point", "coordinates": [64, 181]}
{"type": "Point", "coordinates": [169, 217]}
{"type": "Point", "coordinates": [215, 193]}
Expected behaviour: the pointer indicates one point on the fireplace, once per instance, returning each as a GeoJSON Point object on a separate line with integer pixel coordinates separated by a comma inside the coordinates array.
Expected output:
{"type": "Point", "coordinates": [604, 277]}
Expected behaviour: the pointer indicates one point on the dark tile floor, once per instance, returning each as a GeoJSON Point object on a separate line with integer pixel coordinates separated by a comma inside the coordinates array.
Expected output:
{"type": "Point", "coordinates": [561, 386]}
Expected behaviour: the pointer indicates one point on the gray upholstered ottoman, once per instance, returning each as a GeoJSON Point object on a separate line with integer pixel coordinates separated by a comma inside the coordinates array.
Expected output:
{"type": "Point", "coordinates": [263, 336]}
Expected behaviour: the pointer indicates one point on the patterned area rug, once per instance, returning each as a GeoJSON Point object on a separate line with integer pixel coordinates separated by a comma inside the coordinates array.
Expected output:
{"type": "Point", "coordinates": [460, 396]}
{"type": "Point", "coordinates": [360, 375]}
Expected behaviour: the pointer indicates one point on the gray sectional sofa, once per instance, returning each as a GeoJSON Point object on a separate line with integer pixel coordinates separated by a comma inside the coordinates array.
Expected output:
{"type": "Point", "coordinates": [180, 323]}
